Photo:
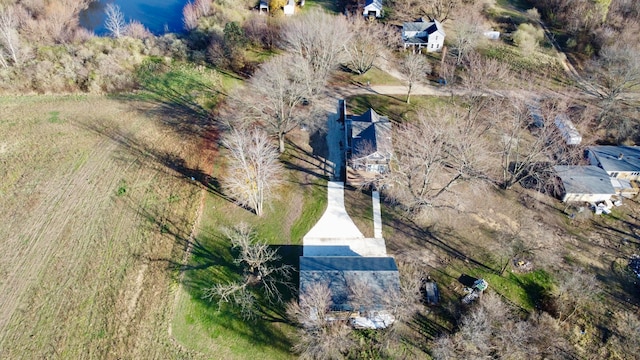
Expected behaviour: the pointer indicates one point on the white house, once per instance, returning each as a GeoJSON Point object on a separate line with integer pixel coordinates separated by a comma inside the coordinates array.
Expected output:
{"type": "Point", "coordinates": [621, 162]}
{"type": "Point", "coordinates": [373, 8]}
{"type": "Point", "coordinates": [263, 6]}
{"type": "Point", "coordinates": [568, 131]}
{"type": "Point", "coordinates": [423, 34]}
{"type": "Point", "coordinates": [584, 183]}
{"type": "Point", "coordinates": [369, 146]}
{"type": "Point", "coordinates": [290, 7]}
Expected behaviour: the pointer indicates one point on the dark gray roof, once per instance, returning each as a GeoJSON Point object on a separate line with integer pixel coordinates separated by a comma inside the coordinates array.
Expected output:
{"type": "Point", "coordinates": [429, 26]}
{"type": "Point", "coordinates": [609, 157]}
{"type": "Point", "coordinates": [371, 128]}
{"type": "Point", "coordinates": [356, 283]}
{"type": "Point", "coordinates": [584, 179]}
{"type": "Point", "coordinates": [376, 3]}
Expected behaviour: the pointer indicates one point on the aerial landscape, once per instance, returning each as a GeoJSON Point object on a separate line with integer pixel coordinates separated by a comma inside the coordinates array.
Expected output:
{"type": "Point", "coordinates": [349, 179]}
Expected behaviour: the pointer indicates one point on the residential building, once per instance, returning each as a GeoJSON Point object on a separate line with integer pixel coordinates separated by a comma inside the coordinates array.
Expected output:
{"type": "Point", "coordinates": [369, 146]}
{"type": "Point", "coordinates": [423, 34]}
{"type": "Point", "coordinates": [263, 6]}
{"type": "Point", "coordinates": [363, 289]}
{"type": "Point", "coordinates": [373, 8]}
{"type": "Point", "coordinates": [584, 183]}
{"type": "Point", "coordinates": [621, 162]}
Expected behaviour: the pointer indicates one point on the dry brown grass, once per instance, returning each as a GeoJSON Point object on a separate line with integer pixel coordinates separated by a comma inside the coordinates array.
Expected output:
{"type": "Point", "coordinates": [94, 203]}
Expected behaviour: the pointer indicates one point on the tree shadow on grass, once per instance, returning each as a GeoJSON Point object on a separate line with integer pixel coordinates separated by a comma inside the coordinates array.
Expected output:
{"type": "Point", "coordinates": [179, 95]}
{"type": "Point", "coordinates": [213, 262]}
{"type": "Point", "coordinates": [299, 159]}
{"type": "Point", "coordinates": [170, 163]}
{"type": "Point", "coordinates": [442, 240]}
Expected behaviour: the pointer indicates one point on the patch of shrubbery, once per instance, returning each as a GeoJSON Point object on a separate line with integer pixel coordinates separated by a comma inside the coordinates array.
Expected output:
{"type": "Point", "coordinates": [97, 65]}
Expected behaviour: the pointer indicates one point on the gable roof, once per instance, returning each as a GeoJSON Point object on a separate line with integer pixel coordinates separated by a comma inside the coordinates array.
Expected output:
{"type": "Point", "coordinates": [371, 133]}
{"type": "Point", "coordinates": [609, 157]}
{"type": "Point", "coordinates": [584, 179]}
{"type": "Point", "coordinates": [377, 4]}
{"type": "Point", "coordinates": [355, 283]}
{"type": "Point", "coordinates": [429, 26]}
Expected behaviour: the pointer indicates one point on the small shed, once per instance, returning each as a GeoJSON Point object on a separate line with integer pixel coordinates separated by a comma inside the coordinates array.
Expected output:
{"type": "Point", "coordinates": [568, 131]}
{"type": "Point", "coordinates": [492, 35]}
{"type": "Point", "coordinates": [373, 8]}
{"type": "Point", "coordinates": [290, 7]}
{"type": "Point", "coordinates": [263, 6]}
{"type": "Point", "coordinates": [537, 119]}
{"type": "Point", "coordinates": [584, 183]}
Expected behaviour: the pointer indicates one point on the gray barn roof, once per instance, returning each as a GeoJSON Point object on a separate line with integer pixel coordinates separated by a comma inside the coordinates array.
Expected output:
{"type": "Point", "coordinates": [373, 129]}
{"type": "Point", "coordinates": [609, 157]}
{"type": "Point", "coordinates": [584, 179]}
{"type": "Point", "coordinates": [356, 283]}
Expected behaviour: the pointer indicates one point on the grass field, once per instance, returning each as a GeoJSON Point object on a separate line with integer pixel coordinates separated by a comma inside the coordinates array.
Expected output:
{"type": "Point", "coordinates": [219, 332]}
{"type": "Point", "coordinates": [97, 197]}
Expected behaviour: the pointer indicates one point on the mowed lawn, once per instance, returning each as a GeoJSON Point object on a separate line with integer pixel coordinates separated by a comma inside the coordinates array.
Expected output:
{"type": "Point", "coordinates": [220, 332]}
{"type": "Point", "coordinates": [97, 201]}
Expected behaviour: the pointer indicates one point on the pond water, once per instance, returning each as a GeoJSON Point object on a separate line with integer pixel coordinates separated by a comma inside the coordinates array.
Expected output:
{"type": "Point", "coordinates": [159, 16]}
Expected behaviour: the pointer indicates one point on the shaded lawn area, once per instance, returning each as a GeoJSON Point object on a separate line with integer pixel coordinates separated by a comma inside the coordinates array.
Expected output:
{"type": "Point", "coordinates": [395, 107]}
{"type": "Point", "coordinates": [375, 76]}
{"type": "Point", "coordinates": [220, 332]}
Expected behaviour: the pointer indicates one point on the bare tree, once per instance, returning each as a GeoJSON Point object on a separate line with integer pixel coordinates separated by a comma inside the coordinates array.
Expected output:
{"type": "Point", "coordinates": [203, 7]}
{"type": "Point", "coordinates": [468, 35]}
{"type": "Point", "coordinates": [254, 171]}
{"type": "Point", "coordinates": [190, 16]}
{"type": "Point", "coordinates": [627, 333]}
{"type": "Point", "coordinates": [319, 336]}
{"type": "Point", "coordinates": [490, 329]}
{"type": "Point", "coordinates": [366, 45]}
{"type": "Point", "coordinates": [573, 293]}
{"type": "Point", "coordinates": [114, 21]}
{"type": "Point", "coordinates": [136, 30]}
{"type": "Point", "coordinates": [9, 38]}
{"type": "Point", "coordinates": [263, 273]}
{"type": "Point", "coordinates": [526, 155]}
{"type": "Point", "coordinates": [440, 10]}
{"type": "Point", "coordinates": [319, 39]}
{"type": "Point", "coordinates": [614, 75]}
{"type": "Point", "coordinates": [414, 67]}
{"type": "Point", "coordinates": [278, 96]}
{"type": "Point", "coordinates": [432, 156]}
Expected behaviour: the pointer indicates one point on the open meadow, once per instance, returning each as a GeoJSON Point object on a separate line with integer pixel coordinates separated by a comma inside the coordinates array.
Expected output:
{"type": "Point", "coordinates": [98, 197]}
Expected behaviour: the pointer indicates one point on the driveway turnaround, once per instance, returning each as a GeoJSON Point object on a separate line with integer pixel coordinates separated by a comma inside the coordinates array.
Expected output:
{"type": "Point", "coordinates": [335, 234]}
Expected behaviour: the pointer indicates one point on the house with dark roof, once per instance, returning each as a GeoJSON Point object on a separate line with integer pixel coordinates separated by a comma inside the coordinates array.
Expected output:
{"type": "Point", "coordinates": [622, 162]}
{"type": "Point", "coordinates": [372, 8]}
{"type": "Point", "coordinates": [369, 145]}
{"type": "Point", "coordinates": [359, 286]}
{"type": "Point", "coordinates": [423, 34]}
{"type": "Point", "coordinates": [263, 6]}
{"type": "Point", "coordinates": [584, 183]}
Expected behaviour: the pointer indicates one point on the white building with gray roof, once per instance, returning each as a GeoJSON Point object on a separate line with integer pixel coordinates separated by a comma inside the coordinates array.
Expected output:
{"type": "Point", "coordinates": [621, 162]}
{"type": "Point", "coordinates": [423, 34]}
{"type": "Point", "coordinates": [584, 183]}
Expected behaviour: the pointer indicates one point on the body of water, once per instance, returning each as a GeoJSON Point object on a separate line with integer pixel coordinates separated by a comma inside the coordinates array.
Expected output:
{"type": "Point", "coordinates": [159, 16]}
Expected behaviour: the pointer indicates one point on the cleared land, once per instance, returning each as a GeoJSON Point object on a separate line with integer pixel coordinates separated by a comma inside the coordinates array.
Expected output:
{"type": "Point", "coordinates": [97, 199]}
